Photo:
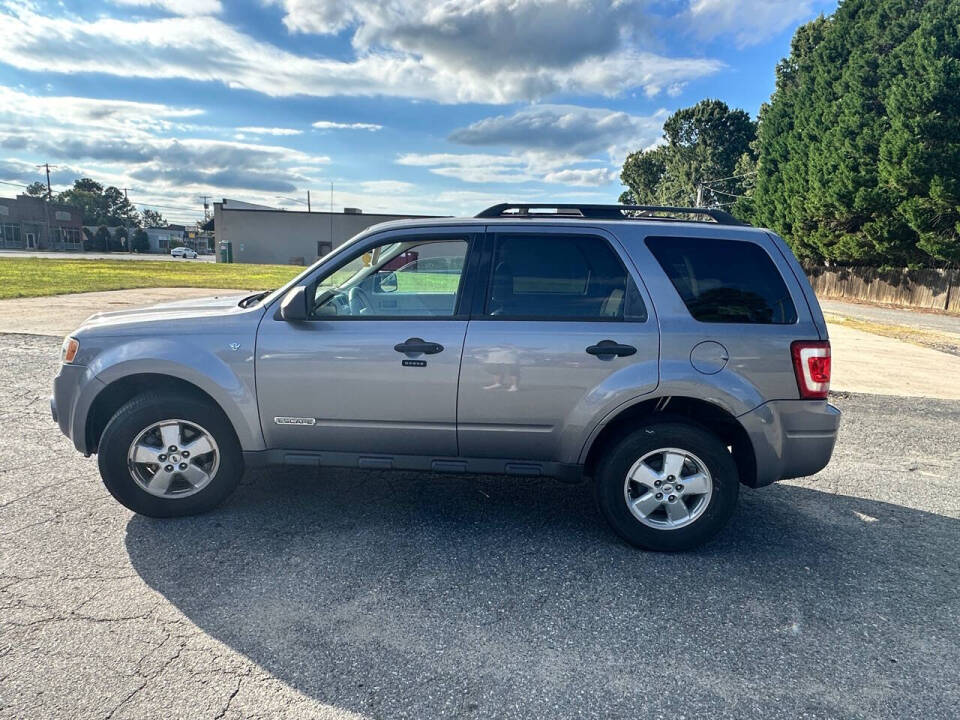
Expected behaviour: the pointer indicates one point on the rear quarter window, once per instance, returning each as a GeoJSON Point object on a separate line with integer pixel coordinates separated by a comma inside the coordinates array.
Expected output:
{"type": "Point", "coordinates": [725, 281]}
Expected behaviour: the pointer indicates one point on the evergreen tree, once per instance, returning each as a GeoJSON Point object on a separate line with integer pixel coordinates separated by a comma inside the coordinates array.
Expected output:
{"type": "Point", "coordinates": [120, 240]}
{"type": "Point", "coordinates": [859, 147]}
{"type": "Point", "coordinates": [141, 241]}
{"type": "Point", "coordinates": [101, 239]}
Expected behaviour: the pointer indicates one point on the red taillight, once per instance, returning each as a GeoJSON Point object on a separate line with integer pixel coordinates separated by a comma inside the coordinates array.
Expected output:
{"type": "Point", "coordinates": [811, 364]}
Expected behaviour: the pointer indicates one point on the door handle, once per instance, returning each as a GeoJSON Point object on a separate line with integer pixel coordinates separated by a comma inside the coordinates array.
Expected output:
{"type": "Point", "coordinates": [418, 345]}
{"type": "Point", "coordinates": [609, 348]}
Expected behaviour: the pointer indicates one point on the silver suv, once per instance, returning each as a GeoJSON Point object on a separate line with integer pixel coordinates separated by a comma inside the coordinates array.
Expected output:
{"type": "Point", "coordinates": [666, 358]}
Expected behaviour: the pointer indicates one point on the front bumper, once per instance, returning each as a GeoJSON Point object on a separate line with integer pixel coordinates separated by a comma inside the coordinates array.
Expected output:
{"type": "Point", "coordinates": [74, 389]}
{"type": "Point", "coordinates": [791, 438]}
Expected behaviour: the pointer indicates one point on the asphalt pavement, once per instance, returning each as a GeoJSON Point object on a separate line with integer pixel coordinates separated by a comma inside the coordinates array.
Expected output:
{"type": "Point", "coordinates": [913, 318]}
{"type": "Point", "coordinates": [340, 593]}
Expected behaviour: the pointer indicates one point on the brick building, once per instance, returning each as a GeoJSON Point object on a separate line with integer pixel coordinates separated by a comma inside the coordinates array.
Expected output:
{"type": "Point", "coordinates": [30, 223]}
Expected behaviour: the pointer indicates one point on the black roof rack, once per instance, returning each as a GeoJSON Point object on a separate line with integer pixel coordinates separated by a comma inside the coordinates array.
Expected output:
{"type": "Point", "coordinates": [606, 212]}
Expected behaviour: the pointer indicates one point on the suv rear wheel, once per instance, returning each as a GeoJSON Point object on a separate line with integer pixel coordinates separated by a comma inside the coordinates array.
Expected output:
{"type": "Point", "coordinates": [165, 456]}
{"type": "Point", "coordinates": [667, 486]}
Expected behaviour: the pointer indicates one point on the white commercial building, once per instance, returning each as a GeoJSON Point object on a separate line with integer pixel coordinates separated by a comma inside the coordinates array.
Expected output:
{"type": "Point", "coordinates": [260, 234]}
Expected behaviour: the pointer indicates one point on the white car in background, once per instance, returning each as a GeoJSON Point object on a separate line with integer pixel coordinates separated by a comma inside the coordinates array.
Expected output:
{"type": "Point", "coordinates": [183, 252]}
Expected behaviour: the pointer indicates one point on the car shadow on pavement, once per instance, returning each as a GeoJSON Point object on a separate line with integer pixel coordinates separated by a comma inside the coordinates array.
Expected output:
{"type": "Point", "coordinates": [408, 595]}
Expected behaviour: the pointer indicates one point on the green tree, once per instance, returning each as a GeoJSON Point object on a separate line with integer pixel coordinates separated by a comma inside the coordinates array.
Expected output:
{"type": "Point", "coordinates": [141, 242]}
{"type": "Point", "coordinates": [100, 206]}
{"type": "Point", "coordinates": [704, 146]}
{"type": "Point", "coordinates": [643, 173]}
{"type": "Point", "coordinates": [859, 147]}
{"type": "Point", "coordinates": [152, 218]}
{"type": "Point", "coordinates": [36, 189]}
{"type": "Point", "coordinates": [87, 195]}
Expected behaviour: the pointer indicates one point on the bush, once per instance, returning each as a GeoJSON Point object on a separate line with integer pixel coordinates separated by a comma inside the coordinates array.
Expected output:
{"type": "Point", "coordinates": [120, 238]}
{"type": "Point", "coordinates": [141, 242]}
{"type": "Point", "coordinates": [101, 239]}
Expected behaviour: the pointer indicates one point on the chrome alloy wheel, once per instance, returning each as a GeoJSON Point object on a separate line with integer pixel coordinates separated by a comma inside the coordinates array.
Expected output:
{"type": "Point", "coordinates": [668, 489]}
{"type": "Point", "coordinates": [173, 459]}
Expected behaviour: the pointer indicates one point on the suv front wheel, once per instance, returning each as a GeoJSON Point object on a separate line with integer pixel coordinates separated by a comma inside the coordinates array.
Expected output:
{"type": "Point", "coordinates": [169, 455]}
{"type": "Point", "coordinates": [667, 486]}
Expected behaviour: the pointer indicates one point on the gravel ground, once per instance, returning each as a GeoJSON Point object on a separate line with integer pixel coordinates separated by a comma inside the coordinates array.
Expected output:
{"type": "Point", "coordinates": [402, 595]}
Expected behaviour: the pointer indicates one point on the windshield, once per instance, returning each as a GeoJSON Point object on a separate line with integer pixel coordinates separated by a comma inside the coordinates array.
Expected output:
{"type": "Point", "coordinates": [271, 295]}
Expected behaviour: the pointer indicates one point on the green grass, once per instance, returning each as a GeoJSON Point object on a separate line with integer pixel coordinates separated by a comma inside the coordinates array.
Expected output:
{"type": "Point", "coordinates": [33, 277]}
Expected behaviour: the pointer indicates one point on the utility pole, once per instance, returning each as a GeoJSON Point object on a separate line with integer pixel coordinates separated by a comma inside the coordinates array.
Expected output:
{"type": "Point", "coordinates": [308, 201]}
{"type": "Point", "coordinates": [49, 191]}
{"type": "Point", "coordinates": [699, 195]}
{"type": "Point", "coordinates": [46, 205]}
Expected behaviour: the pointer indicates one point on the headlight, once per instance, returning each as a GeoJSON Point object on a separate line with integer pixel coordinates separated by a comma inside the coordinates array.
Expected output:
{"type": "Point", "coordinates": [68, 351]}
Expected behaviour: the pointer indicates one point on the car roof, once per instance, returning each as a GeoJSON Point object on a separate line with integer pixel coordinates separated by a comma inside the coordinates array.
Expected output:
{"type": "Point", "coordinates": [665, 224]}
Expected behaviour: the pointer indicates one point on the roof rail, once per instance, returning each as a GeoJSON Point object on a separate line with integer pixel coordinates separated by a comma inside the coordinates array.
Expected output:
{"type": "Point", "coordinates": [606, 212]}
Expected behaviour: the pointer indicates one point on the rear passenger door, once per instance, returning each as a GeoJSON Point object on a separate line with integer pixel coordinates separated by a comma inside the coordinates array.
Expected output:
{"type": "Point", "coordinates": [560, 331]}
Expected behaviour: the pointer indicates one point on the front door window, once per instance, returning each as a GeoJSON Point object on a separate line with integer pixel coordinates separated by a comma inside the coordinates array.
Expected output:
{"type": "Point", "coordinates": [406, 278]}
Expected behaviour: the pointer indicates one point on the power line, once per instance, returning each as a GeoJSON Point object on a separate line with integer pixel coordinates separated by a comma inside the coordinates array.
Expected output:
{"type": "Point", "coordinates": [722, 192]}
{"type": "Point", "coordinates": [167, 207]}
{"type": "Point", "coordinates": [732, 177]}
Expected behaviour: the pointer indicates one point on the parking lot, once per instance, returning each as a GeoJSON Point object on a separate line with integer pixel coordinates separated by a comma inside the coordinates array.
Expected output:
{"type": "Point", "coordinates": [342, 594]}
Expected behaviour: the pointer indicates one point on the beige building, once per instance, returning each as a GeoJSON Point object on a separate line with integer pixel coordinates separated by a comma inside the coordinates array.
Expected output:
{"type": "Point", "coordinates": [261, 234]}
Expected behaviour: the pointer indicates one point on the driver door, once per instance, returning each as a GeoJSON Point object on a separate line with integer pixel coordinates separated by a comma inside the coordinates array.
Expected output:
{"type": "Point", "coordinates": [374, 369]}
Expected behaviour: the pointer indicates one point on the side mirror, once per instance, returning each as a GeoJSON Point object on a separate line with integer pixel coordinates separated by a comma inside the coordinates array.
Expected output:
{"type": "Point", "coordinates": [293, 308]}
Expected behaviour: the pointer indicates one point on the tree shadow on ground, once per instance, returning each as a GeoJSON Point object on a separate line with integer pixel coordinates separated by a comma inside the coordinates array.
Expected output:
{"type": "Point", "coordinates": [406, 595]}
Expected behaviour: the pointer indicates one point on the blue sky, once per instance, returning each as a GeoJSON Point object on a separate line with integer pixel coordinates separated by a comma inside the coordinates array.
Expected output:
{"type": "Point", "coordinates": [420, 106]}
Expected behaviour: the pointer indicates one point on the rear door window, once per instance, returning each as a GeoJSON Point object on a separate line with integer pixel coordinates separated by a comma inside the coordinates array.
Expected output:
{"type": "Point", "coordinates": [561, 277]}
{"type": "Point", "coordinates": [725, 281]}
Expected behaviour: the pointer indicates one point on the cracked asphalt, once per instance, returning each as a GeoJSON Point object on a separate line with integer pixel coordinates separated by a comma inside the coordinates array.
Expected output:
{"type": "Point", "coordinates": [342, 594]}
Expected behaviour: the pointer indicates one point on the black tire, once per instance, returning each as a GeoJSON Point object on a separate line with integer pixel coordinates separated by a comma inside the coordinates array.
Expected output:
{"type": "Point", "coordinates": [622, 454]}
{"type": "Point", "coordinates": [145, 410]}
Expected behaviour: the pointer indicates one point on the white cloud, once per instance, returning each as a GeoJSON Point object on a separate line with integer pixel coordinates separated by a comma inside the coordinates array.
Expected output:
{"type": "Point", "coordinates": [207, 49]}
{"type": "Point", "coordinates": [177, 7]}
{"type": "Point", "coordinates": [594, 177]}
{"type": "Point", "coordinates": [750, 22]}
{"type": "Point", "coordinates": [571, 129]}
{"type": "Point", "coordinates": [21, 171]}
{"type": "Point", "coordinates": [131, 140]}
{"type": "Point", "coordinates": [254, 130]}
{"type": "Point", "coordinates": [554, 144]}
{"type": "Point", "coordinates": [121, 115]}
{"type": "Point", "coordinates": [330, 125]}
{"type": "Point", "coordinates": [387, 186]}
{"type": "Point", "coordinates": [523, 167]}
{"type": "Point", "coordinates": [474, 168]}
{"type": "Point", "coordinates": [482, 35]}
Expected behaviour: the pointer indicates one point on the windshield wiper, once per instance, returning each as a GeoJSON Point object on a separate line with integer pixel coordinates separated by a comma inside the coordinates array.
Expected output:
{"type": "Point", "coordinates": [251, 299]}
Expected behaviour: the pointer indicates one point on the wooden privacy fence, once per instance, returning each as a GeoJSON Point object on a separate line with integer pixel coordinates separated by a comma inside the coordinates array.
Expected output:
{"type": "Point", "coordinates": [931, 289]}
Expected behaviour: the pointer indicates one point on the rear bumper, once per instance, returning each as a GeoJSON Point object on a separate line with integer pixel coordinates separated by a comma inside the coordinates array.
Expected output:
{"type": "Point", "coordinates": [791, 438]}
